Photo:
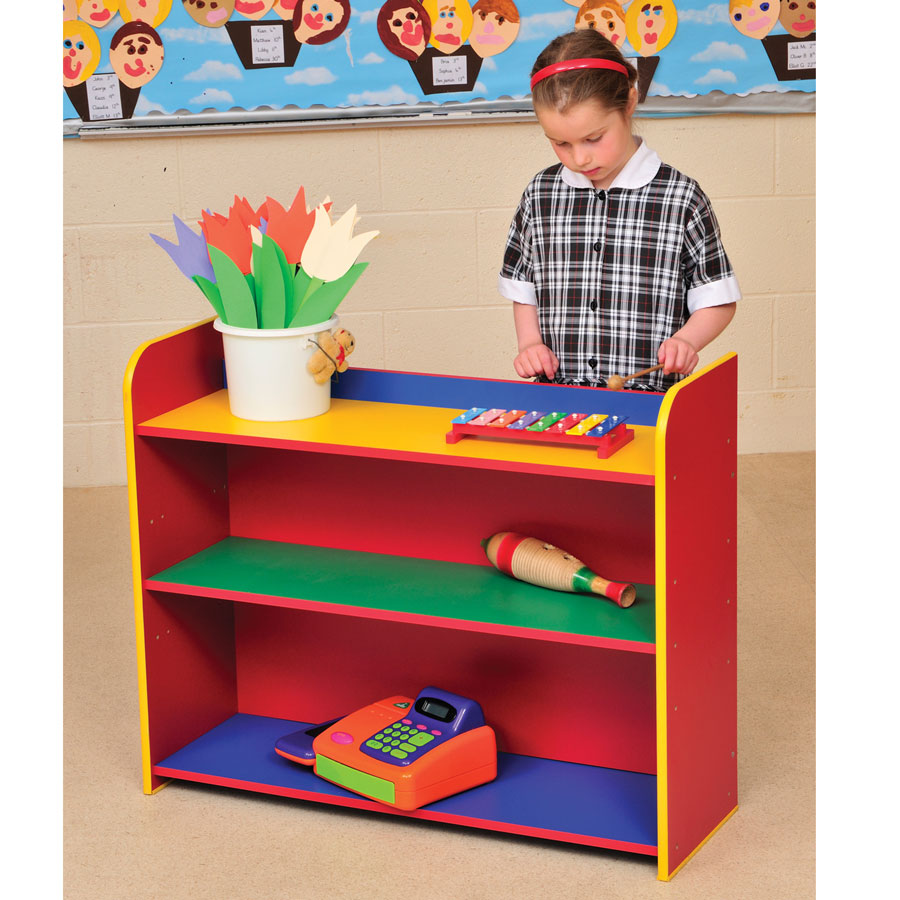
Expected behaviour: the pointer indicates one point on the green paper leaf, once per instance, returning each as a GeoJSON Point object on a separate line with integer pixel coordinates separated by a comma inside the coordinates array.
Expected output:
{"type": "Point", "coordinates": [314, 284]}
{"type": "Point", "coordinates": [322, 303]}
{"type": "Point", "coordinates": [300, 285]}
{"type": "Point", "coordinates": [255, 283]}
{"type": "Point", "coordinates": [287, 278]}
{"type": "Point", "coordinates": [270, 290]}
{"type": "Point", "coordinates": [237, 299]}
{"type": "Point", "coordinates": [211, 292]}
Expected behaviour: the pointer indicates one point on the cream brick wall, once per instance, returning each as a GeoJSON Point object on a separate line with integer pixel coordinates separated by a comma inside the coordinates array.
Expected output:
{"type": "Point", "coordinates": [442, 197]}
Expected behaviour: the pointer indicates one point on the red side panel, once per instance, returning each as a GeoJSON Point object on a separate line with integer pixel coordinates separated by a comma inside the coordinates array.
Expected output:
{"type": "Point", "coordinates": [182, 500]}
{"type": "Point", "coordinates": [182, 507]}
{"type": "Point", "coordinates": [177, 370]}
{"type": "Point", "coordinates": [701, 609]}
{"type": "Point", "coordinates": [191, 684]}
{"type": "Point", "coordinates": [182, 495]}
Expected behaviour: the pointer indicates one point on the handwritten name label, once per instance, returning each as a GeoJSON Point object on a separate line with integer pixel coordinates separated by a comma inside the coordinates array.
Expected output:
{"type": "Point", "coordinates": [801, 55]}
{"type": "Point", "coordinates": [104, 99]}
{"type": "Point", "coordinates": [449, 70]}
{"type": "Point", "coordinates": [267, 42]}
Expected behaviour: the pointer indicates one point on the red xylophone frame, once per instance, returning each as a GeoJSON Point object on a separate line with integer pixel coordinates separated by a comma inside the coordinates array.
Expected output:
{"type": "Point", "coordinates": [606, 444]}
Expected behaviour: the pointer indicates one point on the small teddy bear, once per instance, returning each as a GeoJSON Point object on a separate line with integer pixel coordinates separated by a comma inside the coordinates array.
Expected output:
{"type": "Point", "coordinates": [334, 348]}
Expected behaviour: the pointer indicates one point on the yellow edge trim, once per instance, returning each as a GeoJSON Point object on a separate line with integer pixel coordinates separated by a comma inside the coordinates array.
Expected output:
{"type": "Point", "coordinates": [696, 849]}
{"type": "Point", "coordinates": [662, 719]}
{"type": "Point", "coordinates": [136, 553]}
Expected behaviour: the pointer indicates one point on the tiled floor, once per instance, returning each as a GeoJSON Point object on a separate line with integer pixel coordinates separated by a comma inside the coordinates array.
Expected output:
{"type": "Point", "coordinates": [194, 842]}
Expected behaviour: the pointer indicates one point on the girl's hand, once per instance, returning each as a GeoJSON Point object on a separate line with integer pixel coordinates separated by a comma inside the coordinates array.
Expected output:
{"type": "Point", "coordinates": [536, 359]}
{"type": "Point", "coordinates": [677, 355]}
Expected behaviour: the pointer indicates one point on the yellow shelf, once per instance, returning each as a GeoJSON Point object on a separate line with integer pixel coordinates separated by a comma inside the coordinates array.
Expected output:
{"type": "Point", "coordinates": [367, 428]}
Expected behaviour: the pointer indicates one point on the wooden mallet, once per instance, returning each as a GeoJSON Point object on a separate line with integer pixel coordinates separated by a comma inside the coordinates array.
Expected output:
{"type": "Point", "coordinates": [617, 382]}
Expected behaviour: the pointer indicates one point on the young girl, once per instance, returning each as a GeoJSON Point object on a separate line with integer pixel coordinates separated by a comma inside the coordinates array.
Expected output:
{"type": "Point", "coordinates": [613, 259]}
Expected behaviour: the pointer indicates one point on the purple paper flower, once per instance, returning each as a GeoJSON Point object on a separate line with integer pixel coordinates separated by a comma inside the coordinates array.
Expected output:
{"type": "Point", "coordinates": [190, 253]}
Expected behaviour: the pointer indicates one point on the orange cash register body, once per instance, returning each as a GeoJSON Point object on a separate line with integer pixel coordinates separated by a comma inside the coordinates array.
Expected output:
{"type": "Point", "coordinates": [404, 752]}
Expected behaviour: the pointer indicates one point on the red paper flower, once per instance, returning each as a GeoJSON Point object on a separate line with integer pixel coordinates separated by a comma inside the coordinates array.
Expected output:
{"type": "Point", "coordinates": [231, 234]}
{"type": "Point", "coordinates": [289, 228]}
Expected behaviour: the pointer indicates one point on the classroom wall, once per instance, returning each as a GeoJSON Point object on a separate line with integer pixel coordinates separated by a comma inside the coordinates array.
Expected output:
{"type": "Point", "coordinates": [442, 197]}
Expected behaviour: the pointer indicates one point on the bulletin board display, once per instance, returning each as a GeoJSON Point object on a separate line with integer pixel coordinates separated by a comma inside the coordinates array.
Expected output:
{"type": "Point", "coordinates": [147, 61]}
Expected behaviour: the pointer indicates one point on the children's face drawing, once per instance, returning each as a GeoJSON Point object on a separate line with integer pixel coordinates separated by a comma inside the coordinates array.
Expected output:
{"type": "Point", "coordinates": [153, 12]}
{"type": "Point", "coordinates": [650, 25]}
{"type": "Point", "coordinates": [590, 139]}
{"type": "Point", "coordinates": [284, 9]}
{"type": "Point", "coordinates": [492, 33]}
{"type": "Point", "coordinates": [319, 21]}
{"type": "Point", "coordinates": [98, 12]}
{"type": "Point", "coordinates": [136, 58]}
{"type": "Point", "coordinates": [606, 18]}
{"type": "Point", "coordinates": [211, 13]}
{"type": "Point", "coordinates": [81, 52]}
{"type": "Point", "coordinates": [451, 22]}
{"type": "Point", "coordinates": [70, 10]}
{"type": "Point", "coordinates": [407, 31]}
{"type": "Point", "coordinates": [798, 17]}
{"type": "Point", "coordinates": [253, 9]}
{"type": "Point", "coordinates": [754, 18]}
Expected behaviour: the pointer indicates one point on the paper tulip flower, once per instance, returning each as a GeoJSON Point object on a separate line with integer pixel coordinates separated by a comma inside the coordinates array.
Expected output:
{"type": "Point", "coordinates": [271, 267]}
{"type": "Point", "coordinates": [189, 254]}
{"type": "Point", "coordinates": [331, 250]}
{"type": "Point", "coordinates": [231, 233]}
{"type": "Point", "coordinates": [289, 228]}
{"type": "Point", "coordinates": [327, 265]}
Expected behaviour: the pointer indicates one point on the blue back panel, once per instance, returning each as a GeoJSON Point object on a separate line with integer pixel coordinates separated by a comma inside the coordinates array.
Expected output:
{"type": "Point", "coordinates": [462, 393]}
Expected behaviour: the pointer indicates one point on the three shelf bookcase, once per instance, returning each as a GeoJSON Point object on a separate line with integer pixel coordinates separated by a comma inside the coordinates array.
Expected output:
{"type": "Point", "coordinates": [288, 573]}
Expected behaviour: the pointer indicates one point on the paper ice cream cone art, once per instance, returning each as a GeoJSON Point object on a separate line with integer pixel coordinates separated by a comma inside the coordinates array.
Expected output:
{"type": "Point", "coordinates": [793, 55]}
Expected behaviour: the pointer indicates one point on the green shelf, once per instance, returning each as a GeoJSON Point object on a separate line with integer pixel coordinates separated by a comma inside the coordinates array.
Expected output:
{"type": "Point", "coordinates": [471, 597]}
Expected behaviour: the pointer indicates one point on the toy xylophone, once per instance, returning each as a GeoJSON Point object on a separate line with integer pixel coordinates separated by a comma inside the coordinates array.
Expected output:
{"type": "Point", "coordinates": [605, 432]}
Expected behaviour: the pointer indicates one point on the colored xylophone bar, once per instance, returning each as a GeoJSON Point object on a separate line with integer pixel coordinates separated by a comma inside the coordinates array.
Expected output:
{"type": "Point", "coordinates": [607, 433]}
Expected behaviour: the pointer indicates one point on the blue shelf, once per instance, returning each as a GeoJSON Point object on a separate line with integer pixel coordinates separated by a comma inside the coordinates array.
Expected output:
{"type": "Point", "coordinates": [540, 797]}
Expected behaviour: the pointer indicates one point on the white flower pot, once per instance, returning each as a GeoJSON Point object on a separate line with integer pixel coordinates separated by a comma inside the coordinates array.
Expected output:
{"type": "Point", "coordinates": [265, 369]}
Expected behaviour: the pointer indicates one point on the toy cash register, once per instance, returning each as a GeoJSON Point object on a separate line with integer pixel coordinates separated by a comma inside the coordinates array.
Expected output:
{"type": "Point", "coordinates": [402, 752]}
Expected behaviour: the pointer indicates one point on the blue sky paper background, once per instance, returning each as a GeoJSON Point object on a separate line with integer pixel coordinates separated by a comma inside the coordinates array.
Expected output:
{"type": "Point", "coordinates": [202, 70]}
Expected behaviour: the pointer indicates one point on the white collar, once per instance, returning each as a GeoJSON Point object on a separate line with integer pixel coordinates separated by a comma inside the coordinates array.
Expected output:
{"type": "Point", "coordinates": [640, 170]}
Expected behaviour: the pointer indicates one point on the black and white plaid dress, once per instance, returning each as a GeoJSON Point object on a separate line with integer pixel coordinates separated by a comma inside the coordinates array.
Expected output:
{"type": "Point", "coordinates": [615, 272]}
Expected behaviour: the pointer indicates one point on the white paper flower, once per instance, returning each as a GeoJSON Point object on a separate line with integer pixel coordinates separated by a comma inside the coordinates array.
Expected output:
{"type": "Point", "coordinates": [331, 249]}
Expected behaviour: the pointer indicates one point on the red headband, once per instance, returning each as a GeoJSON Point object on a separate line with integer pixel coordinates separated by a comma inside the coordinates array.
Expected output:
{"type": "Point", "coordinates": [569, 65]}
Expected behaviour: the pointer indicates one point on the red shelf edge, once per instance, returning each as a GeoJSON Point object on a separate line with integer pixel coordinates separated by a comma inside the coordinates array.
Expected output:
{"type": "Point", "coordinates": [381, 453]}
{"type": "Point", "coordinates": [560, 637]}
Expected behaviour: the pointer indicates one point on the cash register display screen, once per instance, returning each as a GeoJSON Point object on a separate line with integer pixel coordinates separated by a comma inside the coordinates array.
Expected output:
{"type": "Point", "coordinates": [436, 709]}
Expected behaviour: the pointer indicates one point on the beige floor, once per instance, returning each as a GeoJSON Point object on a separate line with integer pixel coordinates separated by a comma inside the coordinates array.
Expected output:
{"type": "Point", "coordinates": [195, 842]}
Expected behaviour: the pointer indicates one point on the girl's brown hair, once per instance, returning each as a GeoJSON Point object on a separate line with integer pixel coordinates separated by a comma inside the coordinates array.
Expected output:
{"type": "Point", "coordinates": [505, 8]}
{"type": "Point", "coordinates": [565, 89]}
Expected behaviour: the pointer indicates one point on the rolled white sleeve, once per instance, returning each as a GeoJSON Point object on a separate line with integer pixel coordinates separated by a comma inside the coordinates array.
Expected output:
{"type": "Point", "coordinates": [714, 293]}
{"type": "Point", "coordinates": [518, 291]}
